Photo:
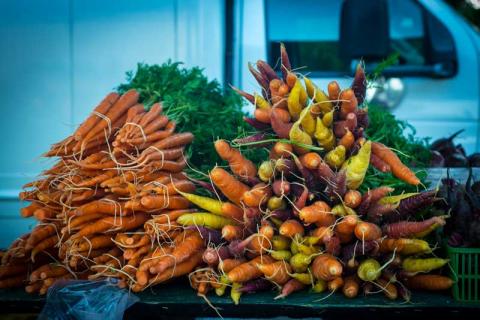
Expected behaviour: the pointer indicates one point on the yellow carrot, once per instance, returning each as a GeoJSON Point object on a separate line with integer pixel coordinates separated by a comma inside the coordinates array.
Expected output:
{"type": "Point", "coordinates": [206, 203]}
{"type": "Point", "coordinates": [356, 166]}
{"type": "Point", "coordinates": [204, 219]}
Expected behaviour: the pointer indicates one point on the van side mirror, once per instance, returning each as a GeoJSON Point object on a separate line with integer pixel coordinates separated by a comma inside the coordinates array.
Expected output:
{"type": "Point", "coordinates": [364, 30]}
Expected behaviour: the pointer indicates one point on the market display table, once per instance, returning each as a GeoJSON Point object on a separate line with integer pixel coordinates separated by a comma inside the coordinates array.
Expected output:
{"type": "Point", "coordinates": [179, 301]}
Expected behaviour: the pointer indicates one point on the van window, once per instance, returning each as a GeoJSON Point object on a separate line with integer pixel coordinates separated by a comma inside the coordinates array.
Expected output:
{"type": "Point", "coordinates": [310, 30]}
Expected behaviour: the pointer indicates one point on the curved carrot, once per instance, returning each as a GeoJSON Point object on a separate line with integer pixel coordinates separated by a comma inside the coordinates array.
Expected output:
{"type": "Point", "coordinates": [240, 165]}
{"type": "Point", "coordinates": [228, 185]}
{"type": "Point", "coordinates": [399, 170]}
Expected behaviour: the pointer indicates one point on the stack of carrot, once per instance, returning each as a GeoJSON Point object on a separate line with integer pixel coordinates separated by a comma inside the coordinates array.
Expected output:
{"type": "Point", "coordinates": [298, 220]}
{"type": "Point", "coordinates": [121, 169]}
{"type": "Point", "coordinates": [117, 204]}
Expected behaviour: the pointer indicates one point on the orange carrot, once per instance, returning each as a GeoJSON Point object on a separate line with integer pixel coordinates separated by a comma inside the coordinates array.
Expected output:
{"type": "Point", "coordinates": [240, 165]}
{"type": "Point", "coordinates": [352, 199]}
{"type": "Point", "coordinates": [347, 140]}
{"type": "Point", "coordinates": [228, 265]}
{"type": "Point", "coordinates": [326, 267]}
{"type": "Point", "coordinates": [179, 269]}
{"type": "Point", "coordinates": [335, 284]}
{"type": "Point", "coordinates": [323, 233]}
{"type": "Point", "coordinates": [232, 211]}
{"type": "Point", "coordinates": [29, 210]}
{"type": "Point", "coordinates": [228, 185]}
{"type": "Point", "coordinates": [277, 272]}
{"type": "Point", "coordinates": [379, 164]}
{"type": "Point", "coordinates": [399, 170]}
{"type": "Point", "coordinates": [333, 90]}
{"type": "Point", "coordinates": [293, 285]}
{"type": "Point", "coordinates": [142, 142]}
{"type": "Point", "coordinates": [388, 288]}
{"type": "Point", "coordinates": [117, 110]}
{"type": "Point", "coordinates": [257, 196]}
{"type": "Point", "coordinates": [311, 160]}
{"type": "Point", "coordinates": [261, 242]}
{"type": "Point", "coordinates": [281, 149]}
{"type": "Point", "coordinates": [262, 115]}
{"type": "Point", "coordinates": [97, 242]}
{"type": "Point", "coordinates": [165, 202]}
{"type": "Point", "coordinates": [345, 228]}
{"type": "Point", "coordinates": [319, 213]}
{"type": "Point", "coordinates": [290, 228]}
{"type": "Point", "coordinates": [430, 282]}
{"type": "Point", "coordinates": [192, 243]}
{"type": "Point", "coordinates": [349, 104]}
{"type": "Point", "coordinates": [105, 206]}
{"type": "Point", "coordinates": [350, 287]}
{"type": "Point", "coordinates": [13, 282]}
{"type": "Point", "coordinates": [230, 232]}
{"type": "Point", "coordinates": [53, 272]}
{"type": "Point", "coordinates": [367, 231]}
{"type": "Point", "coordinates": [102, 225]}
{"type": "Point", "coordinates": [153, 113]}
{"type": "Point", "coordinates": [93, 119]}
{"type": "Point", "coordinates": [248, 270]}
{"type": "Point", "coordinates": [11, 270]}
{"type": "Point", "coordinates": [44, 245]}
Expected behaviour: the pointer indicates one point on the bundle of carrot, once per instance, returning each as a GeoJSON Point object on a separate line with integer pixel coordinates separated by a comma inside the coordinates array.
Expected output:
{"type": "Point", "coordinates": [297, 220]}
{"type": "Point", "coordinates": [120, 170]}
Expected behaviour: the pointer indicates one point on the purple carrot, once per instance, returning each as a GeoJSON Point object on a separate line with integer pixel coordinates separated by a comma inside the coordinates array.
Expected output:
{"type": "Point", "coordinates": [281, 187]}
{"type": "Point", "coordinates": [371, 197]}
{"type": "Point", "coordinates": [203, 184]}
{"type": "Point", "coordinates": [285, 166]}
{"type": "Point", "coordinates": [404, 292]}
{"type": "Point", "coordinates": [358, 249]}
{"type": "Point", "coordinates": [337, 186]}
{"type": "Point", "coordinates": [301, 201]}
{"type": "Point", "coordinates": [378, 211]}
{"type": "Point", "coordinates": [306, 174]}
{"type": "Point", "coordinates": [324, 172]}
{"type": "Point", "coordinates": [406, 229]}
{"type": "Point", "coordinates": [257, 137]}
{"type": "Point", "coordinates": [256, 124]}
{"type": "Point", "coordinates": [251, 181]}
{"type": "Point", "coordinates": [340, 127]}
{"type": "Point", "coordinates": [362, 118]}
{"type": "Point", "coordinates": [261, 81]}
{"type": "Point", "coordinates": [281, 129]}
{"type": "Point", "coordinates": [212, 256]}
{"type": "Point", "coordinates": [359, 84]}
{"type": "Point", "coordinates": [282, 214]}
{"type": "Point", "coordinates": [333, 245]}
{"type": "Point", "coordinates": [285, 60]}
{"type": "Point", "coordinates": [237, 247]}
{"type": "Point", "coordinates": [260, 284]}
{"type": "Point", "coordinates": [208, 235]}
{"type": "Point", "coordinates": [266, 70]}
{"type": "Point", "coordinates": [244, 94]}
{"type": "Point", "coordinates": [358, 132]}
{"type": "Point", "coordinates": [412, 205]}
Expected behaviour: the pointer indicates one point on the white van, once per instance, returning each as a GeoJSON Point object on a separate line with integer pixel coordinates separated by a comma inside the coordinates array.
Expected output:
{"type": "Point", "coordinates": [435, 86]}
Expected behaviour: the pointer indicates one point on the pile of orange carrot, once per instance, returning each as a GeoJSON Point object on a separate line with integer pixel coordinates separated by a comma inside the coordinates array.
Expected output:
{"type": "Point", "coordinates": [120, 170]}
{"type": "Point", "coordinates": [298, 221]}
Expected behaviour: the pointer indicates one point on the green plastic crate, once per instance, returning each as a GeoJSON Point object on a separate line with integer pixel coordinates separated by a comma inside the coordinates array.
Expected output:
{"type": "Point", "coordinates": [465, 264]}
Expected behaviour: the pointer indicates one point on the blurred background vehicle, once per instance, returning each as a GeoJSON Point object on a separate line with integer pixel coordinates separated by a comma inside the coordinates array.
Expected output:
{"type": "Point", "coordinates": [435, 84]}
{"type": "Point", "coordinates": [59, 57]}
